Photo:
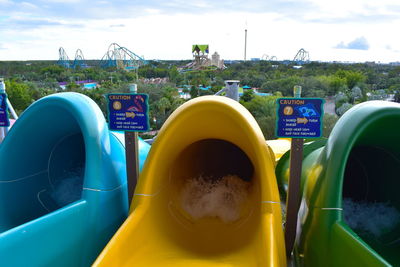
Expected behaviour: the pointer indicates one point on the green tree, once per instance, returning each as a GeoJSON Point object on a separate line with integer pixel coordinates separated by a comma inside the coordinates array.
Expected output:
{"type": "Point", "coordinates": [329, 122]}
{"type": "Point", "coordinates": [284, 85]}
{"type": "Point", "coordinates": [19, 95]}
{"type": "Point", "coordinates": [351, 77]}
{"type": "Point", "coordinates": [72, 86]}
{"type": "Point", "coordinates": [194, 92]}
{"type": "Point", "coordinates": [337, 84]}
{"type": "Point", "coordinates": [174, 75]}
{"type": "Point", "coordinates": [354, 78]}
{"type": "Point", "coordinates": [343, 108]}
{"type": "Point", "coordinates": [263, 108]}
{"type": "Point", "coordinates": [356, 94]}
{"type": "Point", "coordinates": [397, 97]}
{"type": "Point", "coordinates": [340, 99]}
{"type": "Point", "coordinates": [247, 96]}
{"type": "Point", "coordinates": [39, 91]}
{"type": "Point", "coordinates": [162, 109]}
{"type": "Point", "coordinates": [97, 95]}
{"type": "Point", "coordinates": [154, 91]}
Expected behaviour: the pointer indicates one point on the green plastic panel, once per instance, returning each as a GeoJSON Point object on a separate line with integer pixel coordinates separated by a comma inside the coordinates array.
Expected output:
{"type": "Point", "coordinates": [349, 215]}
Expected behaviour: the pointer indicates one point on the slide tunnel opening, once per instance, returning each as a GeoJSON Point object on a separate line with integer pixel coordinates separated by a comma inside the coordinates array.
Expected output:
{"type": "Point", "coordinates": [216, 181]}
{"type": "Point", "coordinates": [213, 198]}
{"type": "Point", "coordinates": [371, 198]}
{"type": "Point", "coordinates": [66, 172]}
{"type": "Point", "coordinates": [45, 171]}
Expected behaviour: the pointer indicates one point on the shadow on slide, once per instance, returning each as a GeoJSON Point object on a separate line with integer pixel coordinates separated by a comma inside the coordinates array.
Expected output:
{"type": "Point", "coordinates": [63, 189]}
{"type": "Point", "coordinates": [207, 195]}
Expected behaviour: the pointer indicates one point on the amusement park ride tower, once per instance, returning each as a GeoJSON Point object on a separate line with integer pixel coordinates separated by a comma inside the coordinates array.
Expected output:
{"type": "Point", "coordinates": [200, 54]}
{"type": "Point", "coordinates": [201, 59]}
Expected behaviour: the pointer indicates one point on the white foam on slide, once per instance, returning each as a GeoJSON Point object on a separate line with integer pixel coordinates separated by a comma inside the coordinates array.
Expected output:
{"type": "Point", "coordinates": [371, 218]}
{"type": "Point", "coordinates": [219, 198]}
{"type": "Point", "coordinates": [69, 188]}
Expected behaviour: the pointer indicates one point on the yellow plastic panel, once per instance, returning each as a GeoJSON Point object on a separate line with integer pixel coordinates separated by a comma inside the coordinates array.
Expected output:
{"type": "Point", "coordinates": [279, 147]}
{"type": "Point", "coordinates": [210, 136]}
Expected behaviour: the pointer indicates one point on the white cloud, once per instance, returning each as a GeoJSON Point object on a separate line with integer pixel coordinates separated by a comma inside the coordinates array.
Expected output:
{"type": "Point", "coordinates": [160, 35]}
{"type": "Point", "coordinates": [27, 5]}
{"type": "Point", "coordinates": [201, 4]}
{"type": "Point", "coordinates": [359, 43]}
{"type": "Point", "coordinates": [117, 25]}
{"type": "Point", "coordinates": [64, 1]}
{"type": "Point", "coordinates": [152, 11]}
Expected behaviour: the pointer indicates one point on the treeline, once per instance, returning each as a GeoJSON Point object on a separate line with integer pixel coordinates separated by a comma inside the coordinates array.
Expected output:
{"type": "Point", "coordinates": [347, 84]}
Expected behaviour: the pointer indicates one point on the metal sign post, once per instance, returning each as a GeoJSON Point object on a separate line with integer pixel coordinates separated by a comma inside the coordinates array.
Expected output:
{"type": "Point", "coordinates": [293, 195]}
{"type": "Point", "coordinates": [297, 118]}
{"type": "Point", "coordinates": [129, 113]}
{"type": "Point", "coordinates": [132, 156]}
{"type": "Point", "coordinates": [132, 162]}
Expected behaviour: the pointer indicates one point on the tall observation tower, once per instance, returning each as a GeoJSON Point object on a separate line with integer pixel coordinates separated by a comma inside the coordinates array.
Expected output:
{"type": "Point", "coordinates": [245, 42]}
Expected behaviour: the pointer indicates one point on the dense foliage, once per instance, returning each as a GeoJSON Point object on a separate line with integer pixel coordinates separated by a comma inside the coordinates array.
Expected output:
{"type": "Point", "coordinates": [346, 84]}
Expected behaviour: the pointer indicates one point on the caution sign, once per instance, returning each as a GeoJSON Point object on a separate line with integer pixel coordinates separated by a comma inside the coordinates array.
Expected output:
{"type": "Point", "coordinates": [299, 117]}
{"type": "Point", "coordinates": [4, 120]}
{"type": "Point", "coordinates": [128, 112]}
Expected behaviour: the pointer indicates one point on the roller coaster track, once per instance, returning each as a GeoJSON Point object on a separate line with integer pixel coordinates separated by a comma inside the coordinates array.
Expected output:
{"type": "Point", "coordinates": [121, 58]}
{"type": "Point", "coordinates": [269, 58]}
{"type": "Point", "coordinates": [79, 60]}
{"type": "Point", "coordinates": [64, 60]}
{"type": "Point", "coordinates": [301, 57]}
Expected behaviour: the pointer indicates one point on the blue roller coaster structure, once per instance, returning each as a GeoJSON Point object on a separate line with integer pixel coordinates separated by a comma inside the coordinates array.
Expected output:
{"type": "Point", "coordinates": [269, 58]}
{"type": "Point", "coordinates": [301, 57]}
{"type": "Point", "coordinates": [116, 56]}
{"type": "Point", "coordinates": [63, 60]}
{"type": "Point", "coordinates": [121, 58]}
{"type": "Point", "coordinates": [79, 61]}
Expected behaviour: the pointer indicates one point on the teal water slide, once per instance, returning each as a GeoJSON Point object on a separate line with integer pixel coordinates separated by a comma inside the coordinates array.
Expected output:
{"type": "Point", "coordinates": [63, 188]}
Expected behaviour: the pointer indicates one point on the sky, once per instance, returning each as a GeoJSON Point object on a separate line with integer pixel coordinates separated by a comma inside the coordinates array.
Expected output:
{"type": "Point", "coordinates": [339, 30]}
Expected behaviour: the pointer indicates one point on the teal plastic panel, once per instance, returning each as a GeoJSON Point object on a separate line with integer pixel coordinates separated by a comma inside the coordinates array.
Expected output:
{"type": "Point", "coordinates": [63, 190]}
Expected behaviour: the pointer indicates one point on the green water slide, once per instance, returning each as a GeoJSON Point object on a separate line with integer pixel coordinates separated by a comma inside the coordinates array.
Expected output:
{"type": "Point", "coordinates": [349, 213]}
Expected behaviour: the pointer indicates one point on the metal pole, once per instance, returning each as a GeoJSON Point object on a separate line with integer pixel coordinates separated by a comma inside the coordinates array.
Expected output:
{"type": "Point", "coordinates": [132, 156]}
{"type": "Point", "coordinates": [11, 109]}
{"type": "Point", "coordinates": [245, 43]}
{"type": "Point", "coordinates": [293, 196]}
{"type": "Point", "coordinates": [220, 91]}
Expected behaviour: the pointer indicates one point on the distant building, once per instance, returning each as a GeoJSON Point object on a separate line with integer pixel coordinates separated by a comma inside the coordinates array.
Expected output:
{"type": "Point", "coordinates": [216, 61]}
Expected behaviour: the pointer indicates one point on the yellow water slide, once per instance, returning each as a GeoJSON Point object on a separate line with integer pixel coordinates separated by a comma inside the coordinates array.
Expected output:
{"type": "Point", "coordinates": [279, 147]}
{"type": "Point", "coordinates": [207, 195]}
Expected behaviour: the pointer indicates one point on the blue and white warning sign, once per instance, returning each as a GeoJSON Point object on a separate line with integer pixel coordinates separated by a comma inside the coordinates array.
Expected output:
{"type": "Point", "coordinates": [4, 121]}
{"type": "Point", "coordinates": [299, 117]}
{"type": "Point", "coordinates": [128, 112]}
